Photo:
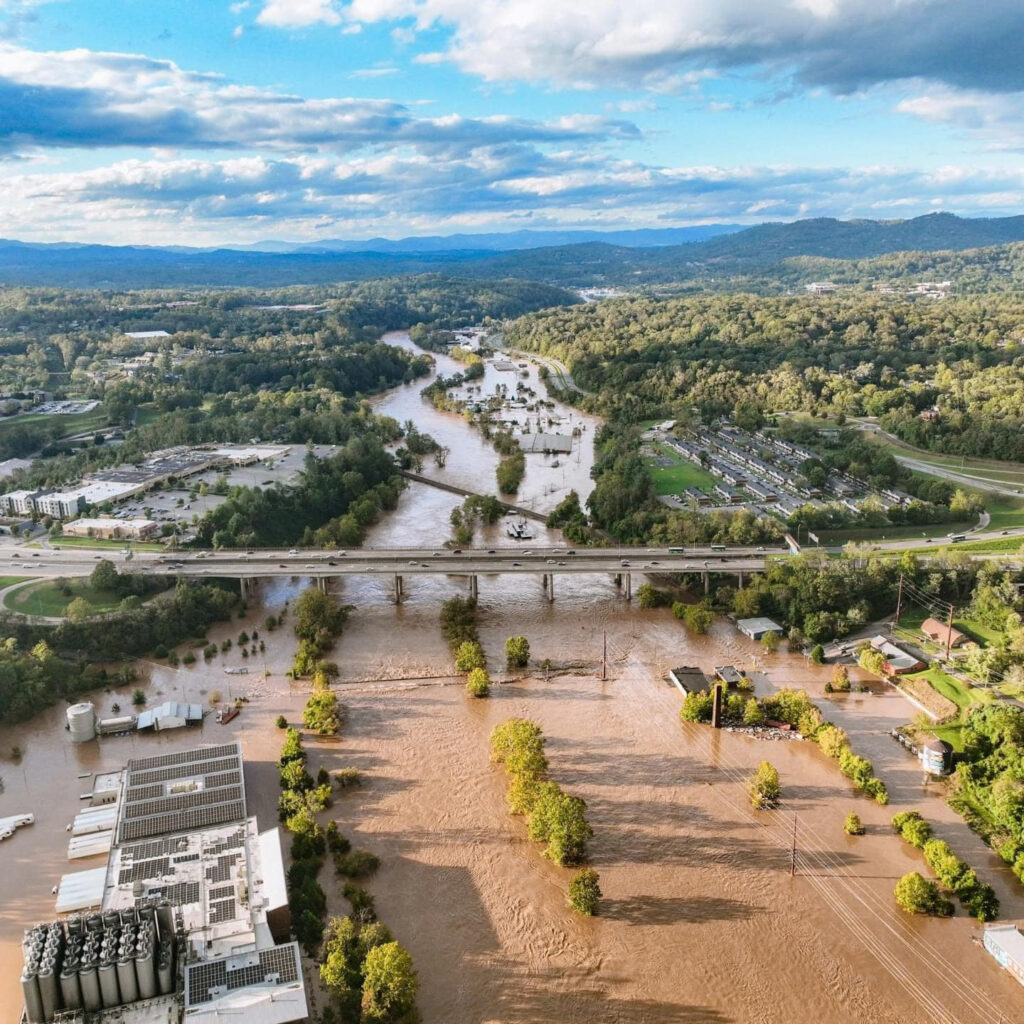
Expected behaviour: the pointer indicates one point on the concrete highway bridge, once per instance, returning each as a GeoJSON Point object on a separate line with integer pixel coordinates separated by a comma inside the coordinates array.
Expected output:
{"type": "Point", "coordinates": [399, 563]}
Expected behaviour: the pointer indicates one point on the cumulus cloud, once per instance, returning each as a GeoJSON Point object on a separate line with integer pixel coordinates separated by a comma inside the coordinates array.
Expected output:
{"type": "Point", "coordinates": [844, 45]}
{"type": "Point", "coordinates": [298, 13]}
{"type": "Point", "coordinates": [188, 200]}
{"type": "Point", "coordinates": [996, 119]}
{"type": "Point", "coordinates": [80, 98]}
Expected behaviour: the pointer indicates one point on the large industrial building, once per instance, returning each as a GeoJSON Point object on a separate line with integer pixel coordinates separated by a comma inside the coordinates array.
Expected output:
{"type": "Point", "coordinates": [188, 923]}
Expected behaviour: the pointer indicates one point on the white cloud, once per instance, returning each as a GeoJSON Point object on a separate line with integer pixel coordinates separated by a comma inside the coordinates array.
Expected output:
{"type": "Point", "coordinates": [238, 32]}
{"type": "Point", "coordinates": [842, 44]}
{"type": "Point", "coordinates": [78, 98]}
{"type": "Point", "coordinates": [996, 119]}
{"type": "Point", "coordinates": [298, 13]}
{"type": "Point", "coordinates": [195, 200]}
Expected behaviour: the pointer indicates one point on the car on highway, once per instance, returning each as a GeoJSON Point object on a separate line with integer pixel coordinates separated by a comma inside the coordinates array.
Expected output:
{"type": "Point", "coordinates": [551, 561]}
{"type": "Point", "coordinates": [570, 552]}
{"type": "Point", "coordinates": [35, 554]}
{"type": "Point", "coordinates": [342, 554]}
{"type": "Point", "coordinates": [293, 551]}
{"type": "Point", "coordinates": [517, 563]}
{"type": "Point", "coordinates": [490, 551]}
{"type": "Point", "coordinates": [281, 565]}
{"type": "Point", "coordinates": [310, 565]}
{"type": "Point", "coordinates": [412, 561]}
{"type": "Point", "coordinates": [624, 562]}
{"type": "Point", "coordinates": [16, 555]}
{"type": "Point", "coordinates": [435, 554]}
{"type": "Point", "coordinates": [561, 563]}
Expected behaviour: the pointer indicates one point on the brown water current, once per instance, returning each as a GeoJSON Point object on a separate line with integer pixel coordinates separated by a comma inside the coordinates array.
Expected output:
{"type": "Point", "coordinates": [701, 921]}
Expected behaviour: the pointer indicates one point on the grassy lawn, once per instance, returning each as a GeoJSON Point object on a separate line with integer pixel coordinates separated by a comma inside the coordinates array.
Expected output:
{"type": "Point", "coordinates": [880, 533]}
{"type": "Point", "coordinates": [75, 424]}
{"type": "Point", "coordinates": [984, 471]}
{"type": "Point", "coordinates": [90, 542]}
{"type": "Point", "coordinates": [952, 734]}
{"type": "Point", "coordinates": [676, 478]}
{"type": "Point", "coordinates": [953, 689]}
{"type": "Point", "coordinates": [145, 414]}
{"type": "Point", "coordinates": [9, 581]}
{"type": "Point", "coordinates": [1005, 513]}
{"type": "Point", "coordinates": [45, 599]}
{"type": "Point", "coordinates": [983, 634]}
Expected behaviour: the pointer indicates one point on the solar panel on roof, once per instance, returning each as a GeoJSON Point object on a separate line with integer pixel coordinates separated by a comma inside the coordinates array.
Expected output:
{"type": "Point", "coordinates": [183, 757]}
{"type": "Point", "coordinates": [179, 801]}
{"type": "Point", "coordinates": [206, 981]}
{"type": "Point", "coordinates": [181, 821]}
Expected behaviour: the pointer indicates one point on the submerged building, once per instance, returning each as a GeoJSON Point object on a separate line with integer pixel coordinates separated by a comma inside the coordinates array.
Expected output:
{"type": "Point", "coordinates": [188, 921]}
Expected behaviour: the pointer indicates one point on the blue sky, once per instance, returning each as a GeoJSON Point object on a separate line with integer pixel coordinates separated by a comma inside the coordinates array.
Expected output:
{"type": "Point", "coordinates": [210, 122]}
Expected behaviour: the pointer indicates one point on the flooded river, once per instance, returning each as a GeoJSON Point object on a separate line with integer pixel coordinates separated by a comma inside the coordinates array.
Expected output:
{"type": "Point", "coordinates": [701, 921]}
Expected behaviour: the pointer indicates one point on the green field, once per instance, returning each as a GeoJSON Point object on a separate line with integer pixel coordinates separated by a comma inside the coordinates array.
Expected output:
{"type": "Point", "coordinates": [44, 598]}
{"type": "Point", "coordinates": [954, 689]}
{"type": "Point", "coordinates": [878, 534]}
{"type": "Point", "coordinates": [9, 581]}
{"type": "Point", "coordinates": [676, 478]}
{"type": "Point", "coordinates": [75, 424]}
{"type": "Point", "coordinates": [145, 414]}
{"type": "Point", "coordinates": [991, 471]}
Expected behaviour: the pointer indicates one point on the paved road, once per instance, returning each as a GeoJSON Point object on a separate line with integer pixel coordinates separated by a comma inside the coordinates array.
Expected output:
{"type": "Point", "coordinates": [410, 561]}
{"type": "Point", "coordinates": [558, 369]}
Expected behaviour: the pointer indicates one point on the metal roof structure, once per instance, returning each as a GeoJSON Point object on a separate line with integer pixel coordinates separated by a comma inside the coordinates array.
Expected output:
{"type": "Point", "coordinates": [170, 714]}
{"type": "Point", "coordinates": [191, 789]}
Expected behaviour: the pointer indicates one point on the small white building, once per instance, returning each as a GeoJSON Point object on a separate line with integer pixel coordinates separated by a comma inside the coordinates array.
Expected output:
{"type": "Point", "coordinates": [1006, 944]}
{"type": "Point", "coordinates": [19, 503]}
{"type": "Point", "coordinates": [758, 627]}
{"type": "Point", "coordinates": [170, 715]}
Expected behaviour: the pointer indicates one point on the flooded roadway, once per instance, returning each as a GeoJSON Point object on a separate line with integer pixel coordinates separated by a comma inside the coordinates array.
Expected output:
{"type": "Point", "coordinates": [701, 920]}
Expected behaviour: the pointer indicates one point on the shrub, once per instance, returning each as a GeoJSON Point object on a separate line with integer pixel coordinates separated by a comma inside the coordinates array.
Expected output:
{"type": "Point", "coordinates": [479, 683]}
{"type": "Point", "coordinates": [517, 651]}
{"type": "Point", "coordinates": [818, 654]}
{"type": "Point", "coordinates": [752, 713]}
{"type": "Point", "coordinates": [913, 828]}
{"type": "Point", "coordinates": [917, 895]}
{"type": "Point", "coordinates": [763, 786]}
{"type": "Point", "coordinates": [363, 909]}
{"type": "Point", "coordinates": [876, 787]}
{"type": "Point", "coordinates": [160, 651]}
{"type": "Point", "coordinates": [470, 655]}
{"type": "Point", "coordinates": [139, 698]}
{"type": "Point", "coordinates": [585, 892]}
{"type": "Point", "coordinates": [852, 826]}
{"type": "Point", "coordinates": [832, 740]}
{"type": "Point", "coordinates": [173, 659]}
{"type": "Point", "coordinates": [346, 778]}
{"type": "Point", "coordinates": [357, 864]}
{"type": "Point", "coordinates": [188, 658]}
{"type": "Point", "coordinates": [281, 722]}
{"type": "Point", "coordinates": [697, 706]}
{"type": "Point", "coordinates": [560, 820]}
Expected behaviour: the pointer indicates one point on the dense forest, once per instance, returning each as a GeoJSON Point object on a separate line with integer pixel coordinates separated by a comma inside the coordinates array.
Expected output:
{"type": "Point", "coordinates": [959, 362]}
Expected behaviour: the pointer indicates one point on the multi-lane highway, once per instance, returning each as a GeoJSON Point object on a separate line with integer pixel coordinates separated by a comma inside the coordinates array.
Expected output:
{"type": "Point", "coordinates": [398, 561]}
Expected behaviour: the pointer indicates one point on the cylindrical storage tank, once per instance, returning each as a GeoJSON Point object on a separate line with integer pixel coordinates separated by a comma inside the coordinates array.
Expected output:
{"type": "Point", "coordinates": [126, 979]}
{"type": "Point", "coordinates": [88, 977]}
{"type": "Point", "coordinates": [49, 991]}
{"type": "Point", "coordinates": [110, 991]}
{"type": "Point", "coordinates": [82, 722]}
{"type": "Point", "coordinates": [165, 918]}
{"type": "Point", "coordinates": [165, 968]}
{"type": "Point", "coordinates": [145, 970]}
{"type": "Point", "coordinates": [33, 1000]}
{"type": "Point", "coordinates": [70, 990]}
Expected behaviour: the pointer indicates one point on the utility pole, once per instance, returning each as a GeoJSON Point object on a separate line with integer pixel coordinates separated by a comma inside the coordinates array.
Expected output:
{"type": "Point", "coordinates": [792, 852]}
{"type": "Point", "coordinates": [949, 632]}
{"type": "Point", "coordinates": [604, 657]}
{"type": "Point", "coordinates": [899, 601]}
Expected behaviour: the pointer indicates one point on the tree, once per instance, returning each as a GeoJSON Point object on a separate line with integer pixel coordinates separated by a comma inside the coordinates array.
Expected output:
{"type": "Point", "coordinates": [770, 641]}
{"type": "Point", "coordinates": [872, 661]}
{"type": "Point", "coordinates": [78, 610]}
{"type": "Point", "coordinates": [917, 895]}
{"type": "Point", "coordinates": [752, 713]}
{"type": "Point", "coordinates": [585, 892]}
{"type": "Point", "coordinates": [104, 575]}
{"type": "Point", "coordinates": [479, 683]}
{"type": "Point", "coordinates": [560, 820]}
{"type": "Point", "coordinates": [841, 678]}
{"type": "Point", "coordinates": [139, 698]}
{"type": "Point", "coordinates": [323, 714]}
{"type": "Point", "coordinates": [832, 740]}
{"type": "Point", "coordinates": [852, 826]}
{"type": "Point", "coordinates": [389, 985]}
{"type": "Point", "coordinates": [764, 787]}
{"type": "Point", "coordinates": [469, 656]}
{"type": "Point", "coordinates": [517, 651]}
{"type": "Point", "coordinates": [818, 654]}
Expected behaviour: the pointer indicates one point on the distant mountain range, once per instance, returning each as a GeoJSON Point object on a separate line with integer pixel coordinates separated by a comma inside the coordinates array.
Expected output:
{"type": "Point", "coordinates": [575, 259]}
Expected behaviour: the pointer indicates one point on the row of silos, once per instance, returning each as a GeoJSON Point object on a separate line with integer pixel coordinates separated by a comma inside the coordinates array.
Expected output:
{"type": "Point", "coordinates": [98, 962]}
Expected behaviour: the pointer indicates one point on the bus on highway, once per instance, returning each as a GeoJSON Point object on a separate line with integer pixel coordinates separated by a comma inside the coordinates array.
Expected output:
{"type": "Point", "coordinates": [717, 547]}
{"type": "Point", "coordinates": [955, 538]}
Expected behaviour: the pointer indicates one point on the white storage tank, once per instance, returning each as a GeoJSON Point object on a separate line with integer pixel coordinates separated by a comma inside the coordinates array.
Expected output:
{"type": "Point", "coordinates": [82, 722]}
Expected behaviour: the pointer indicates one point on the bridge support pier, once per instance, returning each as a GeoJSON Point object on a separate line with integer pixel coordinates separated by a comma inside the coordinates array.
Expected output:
{"type": "Point", "coordinates": [629, 587]}
{"type": "Point", "coordinates": [707, 581]}
{"type": "Point", "coordinates": [399, 589]}
{"type": "Point", "coordinates": [740, 574]}
{"type": "Point", "coordinates": [245, 586]}
{"type": "Point", "coordinates": [321, 584]}
{"type": "Point", "coordinates": [474, 588]}
{"type": "Point", "coordinates": [548, 580]}
{"type": "Point", "coordinates": [618, 579]}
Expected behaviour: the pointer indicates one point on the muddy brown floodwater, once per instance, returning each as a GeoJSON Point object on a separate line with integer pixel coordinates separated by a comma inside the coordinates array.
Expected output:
{"type": "Point", "coordinates": [701, 921]}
